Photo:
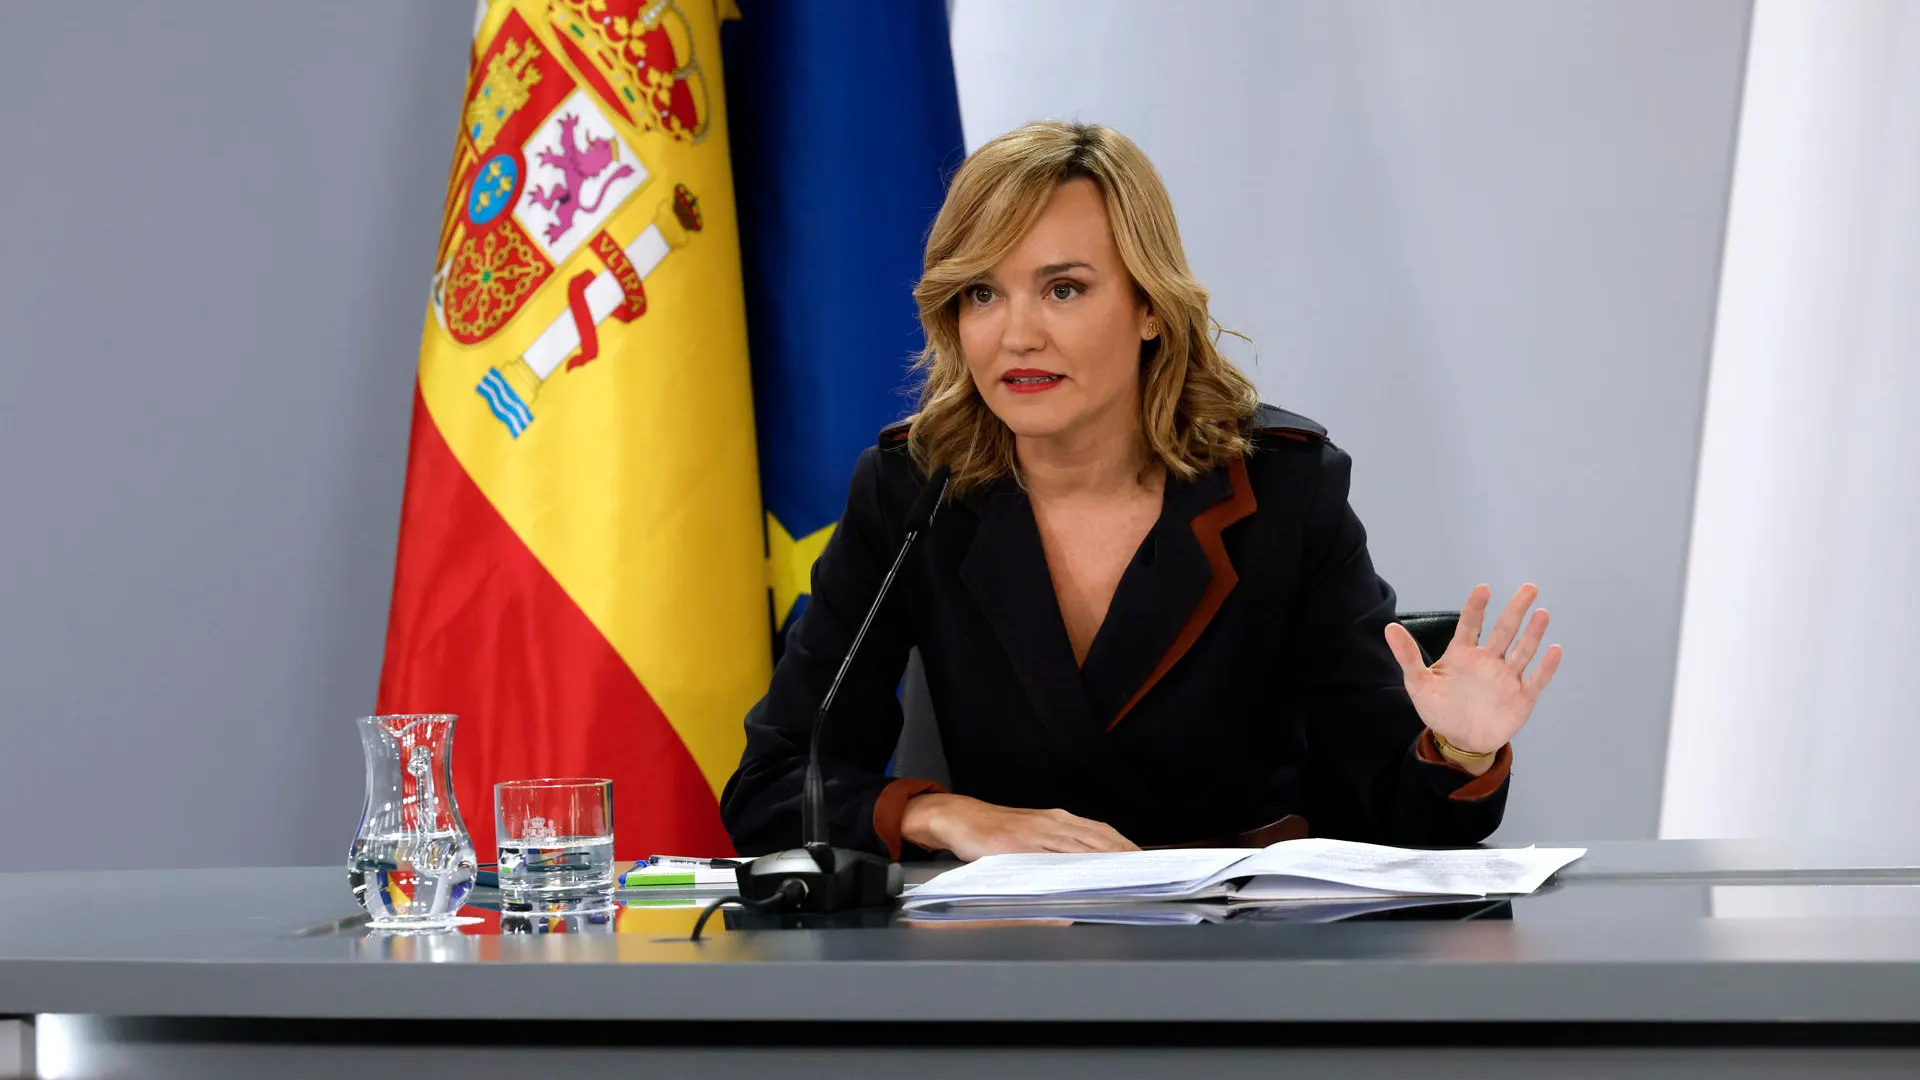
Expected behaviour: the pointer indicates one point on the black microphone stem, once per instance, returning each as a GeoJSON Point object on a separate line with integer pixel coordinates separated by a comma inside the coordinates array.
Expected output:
{"type": "Point", "coordinates": [813, 803]}
{"type": "Point", "coordinates": [818, 877]}
{"type": "Point", "coordinates": [813, 809]}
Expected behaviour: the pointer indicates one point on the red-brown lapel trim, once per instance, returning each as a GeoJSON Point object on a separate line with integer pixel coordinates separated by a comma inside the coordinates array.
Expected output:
{"type": "Point", "coordinates": [1207, 527]}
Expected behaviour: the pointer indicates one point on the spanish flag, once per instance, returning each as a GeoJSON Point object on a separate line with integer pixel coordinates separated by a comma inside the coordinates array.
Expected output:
{"type": "Point", "coordinates": [581, 570]}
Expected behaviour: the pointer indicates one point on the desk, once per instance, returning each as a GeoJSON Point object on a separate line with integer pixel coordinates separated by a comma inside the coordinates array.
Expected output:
{"type": "Point", "coordinates": [1700, 955]}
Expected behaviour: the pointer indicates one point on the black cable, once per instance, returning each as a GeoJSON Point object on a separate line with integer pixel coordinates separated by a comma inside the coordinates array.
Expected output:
{"type": "Point", "coordinates": [790, 892]}
{"type": "Point", "coordinates": [701, 923]}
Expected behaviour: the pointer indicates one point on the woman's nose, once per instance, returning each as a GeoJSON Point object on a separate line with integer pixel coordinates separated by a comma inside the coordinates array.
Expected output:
{"type": "Point", "coordinates": [1024, 333]}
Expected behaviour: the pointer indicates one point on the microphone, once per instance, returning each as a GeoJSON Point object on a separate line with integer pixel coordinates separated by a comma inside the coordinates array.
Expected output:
{"type": "Point", "coordinates": [818, 877]}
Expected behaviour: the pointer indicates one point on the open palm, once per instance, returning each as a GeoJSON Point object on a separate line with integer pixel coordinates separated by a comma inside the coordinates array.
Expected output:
{"type": "Point", "coordinates": [1478, 695]}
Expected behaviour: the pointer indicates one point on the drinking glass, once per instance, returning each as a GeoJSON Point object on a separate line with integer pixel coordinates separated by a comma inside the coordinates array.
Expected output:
{"type": "Point", "coordinates": [556, 844]}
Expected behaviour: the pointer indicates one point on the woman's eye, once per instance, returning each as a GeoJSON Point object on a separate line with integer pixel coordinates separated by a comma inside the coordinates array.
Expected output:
{"type": "Point", "coordinates": [979, 294]}
{"type": "Point", "coordinates": [1064, 290]}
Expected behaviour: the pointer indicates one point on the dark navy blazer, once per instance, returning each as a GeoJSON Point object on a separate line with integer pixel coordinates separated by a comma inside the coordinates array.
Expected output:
{"type": "Point", "coordinates": [1241, 674]}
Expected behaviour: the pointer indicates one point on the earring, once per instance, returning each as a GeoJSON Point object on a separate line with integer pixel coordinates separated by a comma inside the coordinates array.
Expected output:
{"type": "Point", "coordinates": [1153, 329]}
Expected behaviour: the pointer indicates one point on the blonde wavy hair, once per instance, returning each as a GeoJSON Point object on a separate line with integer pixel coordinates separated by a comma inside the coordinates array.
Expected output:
{"type": "Point", "coordinates": [1193, 401]}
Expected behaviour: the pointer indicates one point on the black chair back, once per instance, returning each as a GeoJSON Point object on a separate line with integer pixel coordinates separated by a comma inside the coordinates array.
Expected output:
{"type": "Point", "coordinates": [1432, 629]}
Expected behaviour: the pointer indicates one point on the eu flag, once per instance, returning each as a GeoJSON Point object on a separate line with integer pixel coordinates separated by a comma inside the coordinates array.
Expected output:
{"type": "Point", "coordinates": [844, 126]}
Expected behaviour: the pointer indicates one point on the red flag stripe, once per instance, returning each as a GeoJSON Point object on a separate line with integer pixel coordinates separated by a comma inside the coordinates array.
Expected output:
{"type": "Point", "coordinates": [479, 627]}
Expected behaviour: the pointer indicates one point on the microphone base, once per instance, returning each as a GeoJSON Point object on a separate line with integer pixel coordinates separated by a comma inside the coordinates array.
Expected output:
{"type": "Point", "coordinates": [830, 880]}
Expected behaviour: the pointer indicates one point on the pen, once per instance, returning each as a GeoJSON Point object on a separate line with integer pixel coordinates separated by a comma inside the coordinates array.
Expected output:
{"type": "Point", "coordinates": [687, 860]}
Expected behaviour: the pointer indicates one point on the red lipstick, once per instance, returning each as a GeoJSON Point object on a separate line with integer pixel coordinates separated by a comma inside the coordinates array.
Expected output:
{"type": "Point", "coordinates": [1031, 380]}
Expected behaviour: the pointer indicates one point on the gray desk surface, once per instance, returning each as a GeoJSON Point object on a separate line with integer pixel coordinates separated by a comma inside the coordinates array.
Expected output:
{"type": "Point", "coordinates": [1809, 932]}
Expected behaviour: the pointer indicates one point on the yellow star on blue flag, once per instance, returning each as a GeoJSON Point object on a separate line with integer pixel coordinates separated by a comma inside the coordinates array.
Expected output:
{"type": "Point", "coordinates": [790, 565]}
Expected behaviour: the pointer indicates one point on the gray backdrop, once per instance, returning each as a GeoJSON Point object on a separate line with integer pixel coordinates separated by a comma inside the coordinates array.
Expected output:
{"type": "Point", "coordinates": [1477, 240]}
{"type": "Point", "coordinates": [1480, 241]}
{"type": "Point", "coordinates": [218, 221]}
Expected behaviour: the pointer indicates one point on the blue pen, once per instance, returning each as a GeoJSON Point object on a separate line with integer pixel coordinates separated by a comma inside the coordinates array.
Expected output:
{"type": "Point", "coordinates": [688, 860]}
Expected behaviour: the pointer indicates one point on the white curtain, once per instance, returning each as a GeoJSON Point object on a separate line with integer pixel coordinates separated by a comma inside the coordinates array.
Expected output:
{"type": "Point", "coordinates": [1794, 702]}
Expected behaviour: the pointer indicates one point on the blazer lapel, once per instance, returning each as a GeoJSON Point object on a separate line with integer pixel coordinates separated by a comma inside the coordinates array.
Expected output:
{"type": "Point", "coordinates": [1170, 592]}
{"type": "Point", "coordinates": [1005, 569]}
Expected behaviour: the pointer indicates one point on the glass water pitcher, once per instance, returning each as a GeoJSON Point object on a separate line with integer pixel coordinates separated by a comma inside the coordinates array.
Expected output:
{"type": "Point", "coordinates": [412, 862]}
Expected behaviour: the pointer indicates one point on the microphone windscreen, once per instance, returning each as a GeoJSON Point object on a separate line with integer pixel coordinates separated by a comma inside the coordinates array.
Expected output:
{"type": "Point", "coordinates": [928, 503]}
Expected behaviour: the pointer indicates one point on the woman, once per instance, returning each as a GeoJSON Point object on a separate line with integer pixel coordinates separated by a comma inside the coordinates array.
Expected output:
{"type": "Point", "coordinates": [1146, 611]}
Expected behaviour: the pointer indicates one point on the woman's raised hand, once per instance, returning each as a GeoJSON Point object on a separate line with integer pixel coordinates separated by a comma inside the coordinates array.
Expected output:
{"type": "Point", "coordinates": [1478, 695]}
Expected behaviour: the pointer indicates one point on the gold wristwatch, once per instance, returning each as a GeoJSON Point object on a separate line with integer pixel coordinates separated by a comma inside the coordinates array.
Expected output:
{"type": "Point", "coordinates": [1464, 757]}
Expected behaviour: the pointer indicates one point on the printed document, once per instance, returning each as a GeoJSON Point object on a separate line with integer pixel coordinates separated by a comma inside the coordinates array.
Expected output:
{"type": "Point", "coordinates": [1303, 870]}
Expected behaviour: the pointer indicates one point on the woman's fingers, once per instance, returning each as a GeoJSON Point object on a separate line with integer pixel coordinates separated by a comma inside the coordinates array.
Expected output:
{"type": "Point", "coordinates": [1509, 623]}
{"type": "Point", "coordinates": [1529, 642]}
{"type": "Point", "coordinates": [1005, 830]}
{"type": "Point", "coordinates": [1467, 631]}
{"type": "Point", "coordinates": [1099, 836]}
{"type": "Point", "coordinates": [1081, 840]}
{"type": "Point", "coordinates": [1536, 683]}
{"type": "Point", "coordinates": [1407, 651]}
{"type": "Point", "coordinates": [1075, 833]}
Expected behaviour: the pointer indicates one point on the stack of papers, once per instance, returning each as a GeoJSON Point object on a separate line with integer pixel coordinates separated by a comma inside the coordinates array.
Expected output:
{"type": "Point", "coordinates": [1292, 871]}
{"type": "Point", "coordinates": [1185, 913]}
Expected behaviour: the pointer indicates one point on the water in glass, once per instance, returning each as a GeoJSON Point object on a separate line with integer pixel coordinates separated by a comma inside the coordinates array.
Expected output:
{"type": "Point", "coordinates": [556, 844]}
{"type": "Point", "coordinates": [412, 863]}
